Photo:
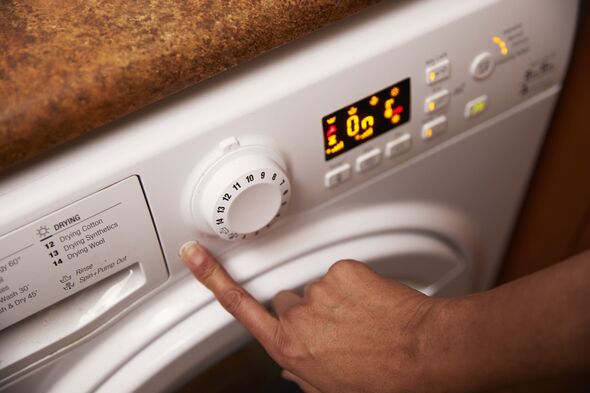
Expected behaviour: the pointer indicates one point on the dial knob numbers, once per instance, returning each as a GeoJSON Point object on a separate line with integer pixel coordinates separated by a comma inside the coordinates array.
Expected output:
{"type": "Point", "coordinates": [241, 189]}
{"type": "Point", "coordinates": [251, 203]}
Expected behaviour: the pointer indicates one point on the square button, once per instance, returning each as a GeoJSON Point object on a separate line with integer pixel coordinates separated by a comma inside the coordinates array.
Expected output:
{"type": "Point", "coordinates": [437, 101]}
{"type": "Point", "coordinates": [434, 128]}
{"type": "Point", "coordinates": [337, 175]}
{"type": "Point", "coordinates": [438, 72]}
{"type": "Point", "coordinates": [476, 106]}
{"type": "Point", "coordinates": [368, 160]}
{"type": "Point", "coordinates": [398, 146]}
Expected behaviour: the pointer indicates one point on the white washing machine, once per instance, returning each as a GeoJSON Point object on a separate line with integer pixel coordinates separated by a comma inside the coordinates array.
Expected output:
{"type": "Point", "coordinates": [403, 137]}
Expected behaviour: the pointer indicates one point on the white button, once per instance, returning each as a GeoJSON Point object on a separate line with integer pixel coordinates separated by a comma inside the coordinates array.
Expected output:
{"type": "Point", "coordinates": [368, 160]}
{"type": "Point", "coordinates": [337, 175]}
{"type": "Point", "coordinates": [398, 146]}
{"type": "Point", "coordinates": [436, 101]}
{"type": "Point", "coordinates": [438, 72]}
{"type": "Point", "coordinates": [476, 106]}
{"type": "Point", "coordinates": [434, 128]}
{"type": "Point", "coordinates": [482, 66]}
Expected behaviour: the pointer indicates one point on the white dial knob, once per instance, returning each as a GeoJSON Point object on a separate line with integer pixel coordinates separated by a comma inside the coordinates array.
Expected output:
{"type": "Point", "coordinates": [241, 194]}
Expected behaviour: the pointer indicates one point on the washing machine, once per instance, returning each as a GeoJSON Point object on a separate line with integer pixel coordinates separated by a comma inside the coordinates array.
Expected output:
{"type": "Point", "coordinates": [403, 137]}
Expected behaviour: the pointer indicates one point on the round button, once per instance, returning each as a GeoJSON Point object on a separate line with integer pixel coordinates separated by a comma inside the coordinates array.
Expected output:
{"type": "Point", "coordinates": [482, 66]}
{"type": "Point", "coordinates": [241, 194]}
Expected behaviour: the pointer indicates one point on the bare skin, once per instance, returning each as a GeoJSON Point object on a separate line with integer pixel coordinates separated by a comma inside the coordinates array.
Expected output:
{"type": "Point", "coordinates": [355, 331]}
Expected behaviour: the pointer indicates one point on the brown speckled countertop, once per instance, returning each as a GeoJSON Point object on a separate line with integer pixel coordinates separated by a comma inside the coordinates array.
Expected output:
{"type": "Point", "coordinates": [70, 66]}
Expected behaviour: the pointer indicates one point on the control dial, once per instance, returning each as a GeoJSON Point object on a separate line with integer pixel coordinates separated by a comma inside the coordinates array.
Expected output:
{"type": "Point", "coordinates": [241, 193]}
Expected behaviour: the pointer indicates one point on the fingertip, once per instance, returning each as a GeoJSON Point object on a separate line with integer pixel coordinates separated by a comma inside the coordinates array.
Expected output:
{"type": "Point", "coordinates": [193, 254]}
{"type": "Point", "coordinates": [187, 248]}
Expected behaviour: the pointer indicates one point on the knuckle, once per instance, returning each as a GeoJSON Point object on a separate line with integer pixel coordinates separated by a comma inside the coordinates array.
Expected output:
{"type": "Point", "coordinates": [281, 294]}
{"type": "Point", "coordinates": [295, 313]}
{"type": "Point", "coordinates": [318, 290]}
{"type": "Point", "coordinates": [290, 354]}
{"type": "Point", "coordinates": [344, 266]}
{"type": "Point", "coordinates": [232, 299]}
{"type": "Point", "coordinates": [206, 269]}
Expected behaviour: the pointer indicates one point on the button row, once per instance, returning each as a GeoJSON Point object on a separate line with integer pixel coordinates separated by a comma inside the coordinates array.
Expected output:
{"type": "Point", "coordinates": [481, 68]}
{"type": "Point", "coordinates": [437, 101]}
{"type": "Point", "coordinates": [368, 160]}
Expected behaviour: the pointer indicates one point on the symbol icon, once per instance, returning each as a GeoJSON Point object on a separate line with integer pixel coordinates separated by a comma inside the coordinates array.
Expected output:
{"type": "Point", "coordinates": [66, 278]}
{"type": "Point", "coordinates": [43, 231]}
{"type": "Point", "coordinates": [501, 44]}
{"type": "Point", "coordinates": [69, 285]}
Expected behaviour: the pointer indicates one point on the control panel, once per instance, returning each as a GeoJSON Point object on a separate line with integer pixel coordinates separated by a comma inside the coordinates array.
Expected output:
{"type": "Point", "coordinates": [453, 90]}
{"type": "Point", "coordinates": [73, 248]}
{"type": "Point", "coordinates": [71, 271]}
{"type": "Point", "coordinates": [410, 99]}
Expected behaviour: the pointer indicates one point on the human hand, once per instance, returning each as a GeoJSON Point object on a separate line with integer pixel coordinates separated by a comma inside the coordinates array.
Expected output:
{"type": "Point", "coordinates": [352, 331]}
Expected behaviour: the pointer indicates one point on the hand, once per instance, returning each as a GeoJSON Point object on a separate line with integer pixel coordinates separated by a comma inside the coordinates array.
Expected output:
{"type": "Point", "coordinates": [352, 331]}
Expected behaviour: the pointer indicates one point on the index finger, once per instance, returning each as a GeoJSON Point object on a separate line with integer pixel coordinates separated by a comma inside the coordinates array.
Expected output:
{"type": "Point", "coordinates": [235, 299]}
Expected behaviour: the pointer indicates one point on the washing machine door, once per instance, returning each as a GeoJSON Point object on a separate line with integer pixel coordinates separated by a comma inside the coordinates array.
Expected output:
{"type": "Point", "coordinates": [425, 261]}
{"type": "Point", "coordinates": [432, 265]}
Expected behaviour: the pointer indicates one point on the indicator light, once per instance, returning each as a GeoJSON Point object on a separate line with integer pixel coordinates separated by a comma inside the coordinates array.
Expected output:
{"type": "Point", "coordinates": [428, 133]}
{"type": "Point", "coordinates": [432, 76]}
{"type": "Point", "coordinates": [478, 107]}
{"type": "Point", "coordinates": [374, 101]}
{"type": "Point", "coordinates": [331, 130]}
{"type": "Point", "coordinates": [388, 108]}
{"type": "Point", "coordinates": [394, 92]}
{"type": "Point", "coordinates": [332, 140]}
{"type": "Point", "coordinates": [431, 106]}
{"type": "Point", "coordinates": [331, 120]}
{"type": "Point", "coordinates": [398, 110]}
{"type": "Point", "coordinates": [501, 44]}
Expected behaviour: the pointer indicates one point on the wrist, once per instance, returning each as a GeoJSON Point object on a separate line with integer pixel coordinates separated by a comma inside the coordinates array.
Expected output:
{"type": "Point", "coordinates": [448, 346]}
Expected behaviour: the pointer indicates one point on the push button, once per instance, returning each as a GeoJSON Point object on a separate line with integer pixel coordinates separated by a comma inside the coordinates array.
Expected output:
{"type": "Point", "coordinates": [476, 106]}
{"type": "Point", "coordinates": [398, 146]}
{"type": "Point", "coordinates": [436, 101]}
{"type": "Point", "coordinates": [438, 72]}
{"type": "Point", "coordinates": [434, 128]}
{"type": "Point", "coordinates": [482, 66]}
{"type": "Point", "coordinates": [337, 175]}
{"type": "Point", "coordinates": [368, 160]}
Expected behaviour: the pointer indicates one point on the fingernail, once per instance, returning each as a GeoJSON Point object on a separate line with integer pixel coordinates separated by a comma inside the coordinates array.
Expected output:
{"type": "Point", "coordinates": [191, 252]}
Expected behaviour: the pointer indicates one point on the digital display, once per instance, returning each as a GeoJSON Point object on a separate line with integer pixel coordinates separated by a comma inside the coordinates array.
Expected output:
{"type": "Point", "coordinates": [366, 119]}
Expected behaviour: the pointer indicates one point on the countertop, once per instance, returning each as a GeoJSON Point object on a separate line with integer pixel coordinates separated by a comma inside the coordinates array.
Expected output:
{"type": "Point", "coordinates": [68, 67]}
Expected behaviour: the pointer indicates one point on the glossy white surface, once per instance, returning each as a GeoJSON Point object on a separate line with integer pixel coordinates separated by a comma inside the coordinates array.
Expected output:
{"type": "Point", "coordinates": [452, 197]}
